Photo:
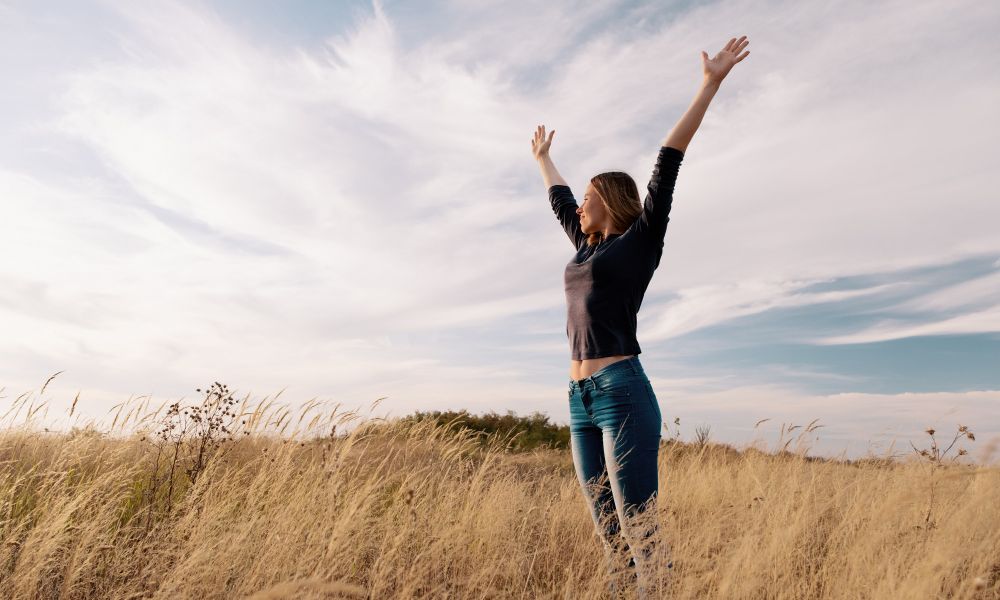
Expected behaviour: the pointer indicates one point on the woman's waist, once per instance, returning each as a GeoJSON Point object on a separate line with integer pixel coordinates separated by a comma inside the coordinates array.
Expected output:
{"type": "Point", "coordinates": [581, 369]}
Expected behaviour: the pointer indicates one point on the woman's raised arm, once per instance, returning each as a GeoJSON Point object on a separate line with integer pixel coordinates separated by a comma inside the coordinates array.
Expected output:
{"type": "Point", "coordinates": [652, 221]}
{"type": "Point", "coordinates": [715, 70]}
{"type": "Point", "coordinates": [540, 149]}
{"type": "Point", "coordinates": [560, 196]}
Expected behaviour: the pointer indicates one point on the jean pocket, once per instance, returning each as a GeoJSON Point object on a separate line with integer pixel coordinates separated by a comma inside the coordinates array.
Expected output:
{"type": "Point", "coordinates": [651, 398]}
{"type": "Point", "coordinates": [614, 389]}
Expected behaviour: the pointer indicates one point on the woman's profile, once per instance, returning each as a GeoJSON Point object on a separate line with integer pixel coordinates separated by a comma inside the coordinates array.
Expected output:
{"type": "Point", "coordinates": [615, 419]}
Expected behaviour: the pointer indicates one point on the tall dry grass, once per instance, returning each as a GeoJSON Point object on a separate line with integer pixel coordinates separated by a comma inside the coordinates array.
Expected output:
{"type": "Point", "coordinates": [203, 502]}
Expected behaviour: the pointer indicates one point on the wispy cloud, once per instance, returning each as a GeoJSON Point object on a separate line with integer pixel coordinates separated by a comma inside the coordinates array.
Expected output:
{"type": "Point", "coordinates": [976, 292]}
{"type": "Point", "coordinates": [976, 302]}
{"type": "Point", "coordinates": [975, 322]}
{"type": "Point", "coordinates": [703, 306]}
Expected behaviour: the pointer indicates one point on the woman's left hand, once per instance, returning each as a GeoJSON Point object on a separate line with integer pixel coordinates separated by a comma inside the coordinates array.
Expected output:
{"type": "Point", "coordinates": [718, 67]}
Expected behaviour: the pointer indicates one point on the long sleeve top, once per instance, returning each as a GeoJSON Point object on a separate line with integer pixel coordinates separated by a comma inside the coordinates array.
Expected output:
{"type": "Point", "coordinates": [605, 283]}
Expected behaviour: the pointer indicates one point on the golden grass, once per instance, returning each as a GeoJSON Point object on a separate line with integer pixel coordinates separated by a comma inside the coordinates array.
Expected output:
{"type": "Point", "coordinates": [393, 510]}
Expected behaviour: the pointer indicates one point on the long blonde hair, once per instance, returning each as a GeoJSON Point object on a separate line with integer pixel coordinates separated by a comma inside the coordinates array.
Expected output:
{"type": "Point", "coordinates": [621, 197]}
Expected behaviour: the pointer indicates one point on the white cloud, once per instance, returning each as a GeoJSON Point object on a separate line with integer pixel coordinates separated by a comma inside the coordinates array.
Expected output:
{"type": "Point", "coordinates": [713, 304]}
{"type": "Point", "coordinates": [977, 302]}
{"type": "Point", "coordinates": [963, 295]}
{"type": "Point", "coordinates": [975, 322]}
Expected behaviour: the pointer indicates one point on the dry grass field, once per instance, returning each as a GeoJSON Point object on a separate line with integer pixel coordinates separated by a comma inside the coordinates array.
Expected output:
{"type": "Point", "coordinates": [202, 502]}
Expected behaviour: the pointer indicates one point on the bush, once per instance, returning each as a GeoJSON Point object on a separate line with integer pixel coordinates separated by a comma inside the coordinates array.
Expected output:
{"type": "Point", "coordinates": [528, 432]}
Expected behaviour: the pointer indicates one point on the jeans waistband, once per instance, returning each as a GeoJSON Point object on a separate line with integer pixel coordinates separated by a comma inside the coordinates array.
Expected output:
{"type": "Point", "coordinates": [629, 365]}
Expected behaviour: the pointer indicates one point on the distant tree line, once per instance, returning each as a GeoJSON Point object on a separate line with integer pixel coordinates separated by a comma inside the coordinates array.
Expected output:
{"type": "Point", "coordinates": [532, 431]}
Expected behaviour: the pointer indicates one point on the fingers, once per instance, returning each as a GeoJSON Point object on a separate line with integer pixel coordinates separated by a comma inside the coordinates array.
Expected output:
{"type": "Point", "coordinates": [735, 45]}
{"type": "Point", "coordinates": [540, 133]}
{"type": "Point", "coordinates": [745, 54]}
{"type": "Point", "coordinates": [539, 138]}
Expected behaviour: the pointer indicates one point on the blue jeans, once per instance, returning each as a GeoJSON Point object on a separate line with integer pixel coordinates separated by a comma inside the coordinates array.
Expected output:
{"type": "Point", "coordinates": [615, 424]}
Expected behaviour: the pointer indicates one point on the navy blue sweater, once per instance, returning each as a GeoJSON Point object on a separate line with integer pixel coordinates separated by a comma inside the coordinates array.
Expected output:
{"type": "Point", "coordinates": [605, 283]}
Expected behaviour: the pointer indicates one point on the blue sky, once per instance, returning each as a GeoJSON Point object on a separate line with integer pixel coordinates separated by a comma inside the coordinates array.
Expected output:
{"type": "Point", "coordinates": [339, 200]}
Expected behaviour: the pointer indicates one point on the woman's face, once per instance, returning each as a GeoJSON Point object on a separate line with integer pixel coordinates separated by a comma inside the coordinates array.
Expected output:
{"type": "Point", "coordinates": [593, 215]}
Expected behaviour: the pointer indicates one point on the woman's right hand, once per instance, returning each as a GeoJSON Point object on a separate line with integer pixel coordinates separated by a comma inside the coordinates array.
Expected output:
{"type": "Point", "coordinates": [540, 145]}
{"type": "Point", "coordinates": [717, 68]}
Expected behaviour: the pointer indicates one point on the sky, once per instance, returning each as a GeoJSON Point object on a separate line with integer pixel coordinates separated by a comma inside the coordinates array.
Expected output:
{"type": "Point", "coordinates": [338, 201]}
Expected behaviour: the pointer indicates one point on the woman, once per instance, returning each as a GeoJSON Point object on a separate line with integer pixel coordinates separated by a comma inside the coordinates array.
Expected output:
{"type": "Point", "coordinates": [615, 418]}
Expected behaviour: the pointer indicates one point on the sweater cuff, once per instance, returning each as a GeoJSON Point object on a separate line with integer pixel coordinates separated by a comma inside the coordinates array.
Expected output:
{"type": "Point", "coordinates": [671, 152]}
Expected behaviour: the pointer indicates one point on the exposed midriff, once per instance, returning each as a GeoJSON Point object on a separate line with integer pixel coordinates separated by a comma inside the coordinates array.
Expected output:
{"type": "Point", "coordinates": [578, 369]}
